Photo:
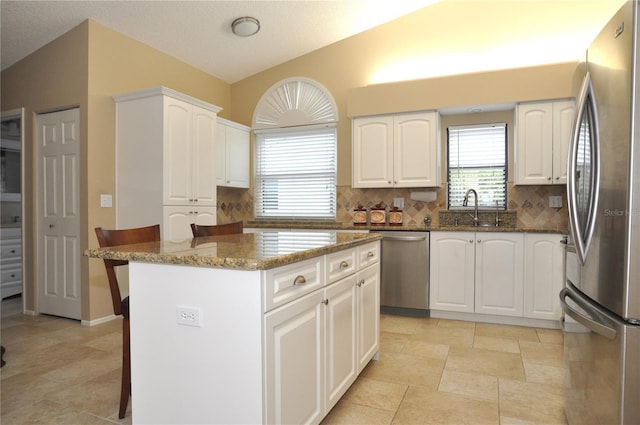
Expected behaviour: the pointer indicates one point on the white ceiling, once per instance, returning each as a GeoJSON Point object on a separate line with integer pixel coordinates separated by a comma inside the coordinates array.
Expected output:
{"type": "Point", "coordinates": [199, 32]}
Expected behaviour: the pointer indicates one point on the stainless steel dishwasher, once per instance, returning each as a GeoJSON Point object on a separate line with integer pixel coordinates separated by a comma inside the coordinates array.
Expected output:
{"type": "Point", "coordinates": [404, 283]}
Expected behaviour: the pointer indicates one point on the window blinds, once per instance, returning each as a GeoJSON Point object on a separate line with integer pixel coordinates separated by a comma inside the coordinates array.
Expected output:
{"type": "Point", "coordinates": [477, 158]}
{"type": "Point", "coordinates": [296, 174]}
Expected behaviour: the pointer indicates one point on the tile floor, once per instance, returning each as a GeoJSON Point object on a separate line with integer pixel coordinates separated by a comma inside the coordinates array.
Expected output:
{"type": "Point", "coordinates": [430, 371]}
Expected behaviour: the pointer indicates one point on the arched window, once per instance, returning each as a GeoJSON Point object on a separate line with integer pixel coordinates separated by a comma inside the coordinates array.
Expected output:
{"type": "Point", "coordinates": [296, 151]}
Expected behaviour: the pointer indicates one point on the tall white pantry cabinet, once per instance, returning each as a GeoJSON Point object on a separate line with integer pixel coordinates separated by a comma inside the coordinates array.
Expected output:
{"type": "Point", "coordinates": [165, 161]}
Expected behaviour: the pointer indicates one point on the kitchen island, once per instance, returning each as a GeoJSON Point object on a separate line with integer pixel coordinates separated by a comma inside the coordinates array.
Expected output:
{"type": "Point", "coordinates": [268, 327]}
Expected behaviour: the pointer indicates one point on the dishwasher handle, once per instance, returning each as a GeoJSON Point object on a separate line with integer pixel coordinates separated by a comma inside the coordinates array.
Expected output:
{"type": "Point", "coordinates": [404, 238]}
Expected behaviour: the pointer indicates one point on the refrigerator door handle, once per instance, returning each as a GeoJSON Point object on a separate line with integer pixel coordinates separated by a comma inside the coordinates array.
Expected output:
{"type": "Point", "coordinates": [597, 323]}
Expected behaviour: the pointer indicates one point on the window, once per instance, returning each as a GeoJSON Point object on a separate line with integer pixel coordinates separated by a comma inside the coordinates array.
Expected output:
{"type": "Point", "coordinates": [296, 173]}
{"type": "Point", "coordinates": [477, 158]}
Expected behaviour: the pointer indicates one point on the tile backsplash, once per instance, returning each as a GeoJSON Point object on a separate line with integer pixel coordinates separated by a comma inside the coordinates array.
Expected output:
{"type": "Point", "coordinates": [530, 204]}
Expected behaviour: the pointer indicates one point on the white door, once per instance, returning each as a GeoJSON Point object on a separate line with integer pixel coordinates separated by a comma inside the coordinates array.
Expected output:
{"type": "Point", "coordinates": [563, 114]}
{"type": "Point", "coordinates": [499, 273]}
{"type": "Point", "coordinates": [204, 157]}
{"type": "Point", "coordinates": [368, 310]}
{"type": "Point", "coordinates": [178, 153]}
{"type": "Point", "coordinates": [414, 156]}
{"type": "Point", "coordinates": [452, 274]}
{"type": "Point", "coordinates": [341, 321]}
{"type": "Point", "coordinates": [372, 152]}
{"type": "Point", "coordinates": [294, 361]}
{"type": "Point", "coordinates": [58, 221]}
{"type": "Point", "coordinates": [237, 159]}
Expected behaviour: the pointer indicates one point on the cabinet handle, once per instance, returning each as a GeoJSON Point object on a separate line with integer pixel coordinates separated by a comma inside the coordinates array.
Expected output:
{"type": "Point", "coordinates": [299, 280]}
{"type": "Point", "coordinates": [479, 240]}
{"type": "Point", "coordinates": [470, 240]}
{"type": "Point", "coordinates": [360, 283]}
{"type": "Point", "coordinates": [51, 226]}
{"type": "Point", "coordinates": [325, 301]}
{"type": "Point", "coordinates": [370, 254]}
{"type": "Point", "coordinates": [344, 265]}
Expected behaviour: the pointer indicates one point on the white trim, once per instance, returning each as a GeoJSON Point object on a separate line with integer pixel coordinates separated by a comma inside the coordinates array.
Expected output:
{"type": "Point", "coordinates": [297, 128]}
{"type": "Point", "coordinates": [265, 115]}
{"type": "Point", "coordinates": [165, 91]}
{"type": "Point", "coordinates": [502, 320]}
{"type": "Point", "coordinates": [98, 321]}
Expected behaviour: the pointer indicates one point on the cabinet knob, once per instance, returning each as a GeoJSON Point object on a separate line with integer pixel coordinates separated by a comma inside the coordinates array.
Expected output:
{"type": "Point", "coordinates": [370, 254]}
{"type": "Point", "coordinates": [51, 226]}
{"type": "Point", "coordinates": [557, 178]}
{"type": "Point", "coordinates": [13, 251]}
{"type": "Point", "coordinates": [470, 240]}
{"type": "Point", "coordinates": [548, 178]}
{"type": "Point", "coordinates": [479, 240]}
{"type": "Point", "coordinates": [389, 181]}
{"type": "Point", "coordinates": [325, 301]}
{"type": "Point", "coordinates": [13, 275]}
{"type": "Point", "coordinates": [299, 280]}
{"type": "Point", "coordinates": [344, 265]}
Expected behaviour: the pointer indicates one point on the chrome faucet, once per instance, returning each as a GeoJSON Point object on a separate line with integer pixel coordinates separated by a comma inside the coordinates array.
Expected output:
{"type": "Point", "coordinates": [465, 202]}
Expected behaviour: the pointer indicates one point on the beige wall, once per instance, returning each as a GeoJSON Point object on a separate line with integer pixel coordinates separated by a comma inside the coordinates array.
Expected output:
{"type": "Point", "coordinates": [346, 68]}
{"type": "Point", "coordinates": [86, 67]}
{"type": "Point", "coordinates": [52, 78]}
{"type": "Point", "coordinates": [118, 64]}
{"type": "Point", "coordinates": [91, 63]}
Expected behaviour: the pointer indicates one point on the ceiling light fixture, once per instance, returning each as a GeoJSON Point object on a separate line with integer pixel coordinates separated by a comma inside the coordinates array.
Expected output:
{"type": "Point", "coordinates": [245, 26]}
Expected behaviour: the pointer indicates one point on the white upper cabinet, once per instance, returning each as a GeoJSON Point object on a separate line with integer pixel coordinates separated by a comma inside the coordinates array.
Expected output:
{"type": "Point", "coordinates": [232, 154]}
{"type": "Point", "coordinates": [165, 156]}
{"type": "Point", "coordinates": [542, 141]}
{"type": "Point", "coordinates": [189, 152]}
{"type": "Point", "coordinates": [400, 150]}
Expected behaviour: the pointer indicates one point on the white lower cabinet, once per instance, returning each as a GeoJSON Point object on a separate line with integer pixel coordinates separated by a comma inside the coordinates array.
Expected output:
{"type": "Point", "coordinates": [544, 275]}
{"type": "Point", "coordinates": [499, 277]}
{"type": "Point", "coordinates": [317, 344]}
{"type": "Point", "coordinates": [341, 338]}
{"type": "Point", "coordinates": [497, 274]}
{"type": "Point", "coordinates": [452, 271]}
{"type": "Point", "coordinates": [272, 346]}
{"type": "Point", "coordinates": [177, 221]}
{"type": "Point", "coordinates": [368, 311]}
{"type": "Point", "coordinates": [294, 336]}
{"type": "Point", "coordinates": [10, 261]}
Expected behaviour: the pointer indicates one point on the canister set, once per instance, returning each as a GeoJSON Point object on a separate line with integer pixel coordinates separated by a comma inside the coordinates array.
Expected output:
{"type": "Point", "coordinates": [377, 216]}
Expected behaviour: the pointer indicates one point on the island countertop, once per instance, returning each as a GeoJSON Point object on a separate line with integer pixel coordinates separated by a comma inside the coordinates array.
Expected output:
{"type": "Point", "coordinates": [248, 251]}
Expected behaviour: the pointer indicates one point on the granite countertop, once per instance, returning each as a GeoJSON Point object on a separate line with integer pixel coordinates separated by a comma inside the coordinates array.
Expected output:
{"type": "Point", "coordinates": [406, 228]}
{"type": "Point", "coordinates": [247, 251]}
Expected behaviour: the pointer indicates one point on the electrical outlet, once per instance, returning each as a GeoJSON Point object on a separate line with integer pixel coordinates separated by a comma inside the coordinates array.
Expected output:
{"type": "Point", "coordinates": [398, 202]}
{"type": "Point", "coordinates": [189, 316]}
{"type": "Point", "coordinates": [555, 201]}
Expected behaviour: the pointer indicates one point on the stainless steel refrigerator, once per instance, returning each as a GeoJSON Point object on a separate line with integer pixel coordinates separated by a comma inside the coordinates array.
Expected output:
{"type": "Point", "coordinates": [602, 293]}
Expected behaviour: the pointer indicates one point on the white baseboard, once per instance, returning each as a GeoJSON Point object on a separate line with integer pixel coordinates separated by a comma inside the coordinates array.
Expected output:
{"type": "Point", "coordinates": [501, 320]}
{"type": "Point", "coordinates": [99, 321]}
